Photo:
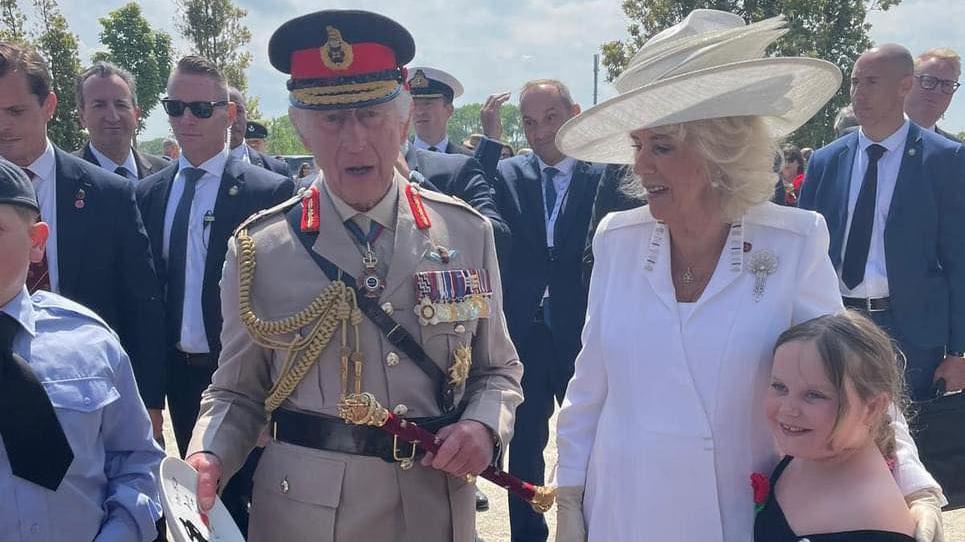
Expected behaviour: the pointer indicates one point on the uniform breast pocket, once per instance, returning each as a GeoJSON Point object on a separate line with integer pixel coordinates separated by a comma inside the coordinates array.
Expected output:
{"type": "Point", "coordinates": [79, 404]}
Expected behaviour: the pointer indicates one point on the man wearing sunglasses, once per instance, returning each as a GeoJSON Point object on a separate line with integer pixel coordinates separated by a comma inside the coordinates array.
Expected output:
{"type": "Point", "coordinates": [190, 209]}
{"type": "Point", "coordinates": [936, 80]}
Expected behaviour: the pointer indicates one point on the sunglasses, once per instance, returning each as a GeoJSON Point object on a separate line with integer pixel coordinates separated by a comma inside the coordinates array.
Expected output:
{"type": "Point", "coordinates": [929, 82]}
{"type": "Point", "coordinates": [201, 110]}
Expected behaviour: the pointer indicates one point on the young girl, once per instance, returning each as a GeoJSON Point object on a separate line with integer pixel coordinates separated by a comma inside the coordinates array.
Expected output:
{"type": "Point", "coordinates": [832, 383]}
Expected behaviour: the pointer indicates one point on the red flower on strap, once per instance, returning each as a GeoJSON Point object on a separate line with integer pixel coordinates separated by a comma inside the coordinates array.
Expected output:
{"type": "Point", "coordinates": [762, 488]}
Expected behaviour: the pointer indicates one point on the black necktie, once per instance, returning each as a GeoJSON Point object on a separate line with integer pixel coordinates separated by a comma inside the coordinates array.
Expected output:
{"type": "Point", "coordinates": [123, 172]}
{"type": "Point", "coordinates": [862, 222]}
{"type": "Point", "coordinates": [178, 250]}
{"type": "Point", "coordinates": [37, 448]}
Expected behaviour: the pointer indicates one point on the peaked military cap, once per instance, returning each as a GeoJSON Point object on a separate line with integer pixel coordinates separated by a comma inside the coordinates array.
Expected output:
{"type": "Point", "coordinates": [432, 83]}
{"type": "Point", "coordinates": [341, 58]}
{"type": "Point", "coordinates": [15, 187]}
{"type": "Point", "coordinates": [256, 130]}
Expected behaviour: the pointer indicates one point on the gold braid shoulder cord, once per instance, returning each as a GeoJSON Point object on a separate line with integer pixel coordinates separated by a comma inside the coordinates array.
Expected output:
{"type": "Point", "coordinates": [335, 305]}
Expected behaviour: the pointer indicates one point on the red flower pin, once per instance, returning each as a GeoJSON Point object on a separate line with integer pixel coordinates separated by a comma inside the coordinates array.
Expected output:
{"type": "Point", "coordinates": [762, 487]}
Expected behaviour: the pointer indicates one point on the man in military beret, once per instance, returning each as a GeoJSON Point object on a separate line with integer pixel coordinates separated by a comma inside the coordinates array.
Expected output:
{"type": "Point", "coordinates": [407, 306]}
{"type": "Point", "coordinates": [433, 91]}
{"type": "Point", "coordinates": [255, 135]}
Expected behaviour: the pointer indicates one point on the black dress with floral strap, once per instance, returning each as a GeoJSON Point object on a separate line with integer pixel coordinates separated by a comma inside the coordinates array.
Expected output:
{"type": "Point", "coordinates": [772, 526]}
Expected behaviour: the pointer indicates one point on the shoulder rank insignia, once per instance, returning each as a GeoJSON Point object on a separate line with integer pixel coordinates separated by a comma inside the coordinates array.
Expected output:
{"type": "Point", "coordinates": [454, 295]}
{"type": "Point", "coordinates": [416, 206]}
{"type": "Point", "coordinates": [336, 53]}
{"type": "Point", "coordinates": [310, 213]}
{"type": "Point", "coordinates": [419, 80]}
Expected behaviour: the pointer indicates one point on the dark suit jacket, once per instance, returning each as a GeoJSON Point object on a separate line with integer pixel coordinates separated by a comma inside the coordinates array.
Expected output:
{"type": "Point", "coordinates": [610, 197]}
{"type": "Point", "coordinates": [924, 252]}
{"type": "Point", "coordinates": [147, 164]}
{"type": "Point", "coordinates": [948, 135]}
{"type": "Point", "coordinates": [257, 189]}
{"type": "Point", "coordinates": [456, 148]}
{"type": "Point", "coordinates": [104, 262]}
{"type": "Point", "coordinates": [272, 164]}
{"type": "Point", "coordinates": [461, 176]}
{"type": "Point", "coordinates": [528, 269]}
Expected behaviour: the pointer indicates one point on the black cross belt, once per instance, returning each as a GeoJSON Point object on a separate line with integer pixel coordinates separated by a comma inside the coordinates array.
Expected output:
{"type": "Point", "coordinates": [393, 331]}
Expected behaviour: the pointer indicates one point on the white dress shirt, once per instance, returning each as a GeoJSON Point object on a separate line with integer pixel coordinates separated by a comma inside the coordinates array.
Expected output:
{"type": "Point", "coordinates": [241, 153]}
{"type": "Point", "coordinates": [875, 283]}
{"type": "Point", "coordinates": [129, 164]}
{"type": "Point", "coordinates": [441, 146]}
{"type": "Point", "coordinates": [562, 184]}
{"type": "Point", "coordinates": [194, 339]}
{"type": "Point", "coordinates": [45, 184]}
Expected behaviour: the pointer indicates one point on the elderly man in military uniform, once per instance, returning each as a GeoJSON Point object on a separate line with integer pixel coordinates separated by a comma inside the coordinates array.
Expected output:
{"type": "Point", "coordinates": [363, 283]}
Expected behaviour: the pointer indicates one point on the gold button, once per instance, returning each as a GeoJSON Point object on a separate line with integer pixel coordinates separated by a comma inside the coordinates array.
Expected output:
{"type": "Point", "coordinates": [284, 485]}
{"type": "Point", "coordinates": [392, 359]}
{"type": "Point", "coordinates": [400, 410]}
{"type": "Point", "coordinates": [387, 308]}
{"type": "Point", "coordinates": [460, 328]}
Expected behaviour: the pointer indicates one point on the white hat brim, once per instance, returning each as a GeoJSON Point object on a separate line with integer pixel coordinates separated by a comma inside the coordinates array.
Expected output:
{"type": "Point", "coordinates": [785, 92]}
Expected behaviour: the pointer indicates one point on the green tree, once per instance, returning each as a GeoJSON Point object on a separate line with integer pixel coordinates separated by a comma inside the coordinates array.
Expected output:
{"type": "Point", "coordinates": [465, 121]}
{"type": "Point", "coordinates": [833, 30]}
{"type": "Point", "coordinates": [13, 21]}
{"type": "Point", "coordinates": [132, 44]}
{"type": "Point", "coordinates": [282, 137]}
{"type": "Point", "coordinates": [152, 146]}
{"type": "Point", "coordinates": [59, 46]}
{"type": "Point", "coordinates": [217, 32]}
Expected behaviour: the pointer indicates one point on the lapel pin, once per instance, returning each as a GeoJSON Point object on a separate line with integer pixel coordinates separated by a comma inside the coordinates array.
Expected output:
{"type": "Point", "coordinates": [912, 152]}
{"type": "Point", "coordinates": [233, 191]}
{"type": "Point", "coordinates": [79, 198]}
{"type": "Point", "coordinates": [747, 246]}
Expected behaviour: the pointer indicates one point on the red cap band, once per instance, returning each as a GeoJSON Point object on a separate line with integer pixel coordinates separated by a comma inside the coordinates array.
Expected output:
{"type": "Point", "coordinates": [368, 58]}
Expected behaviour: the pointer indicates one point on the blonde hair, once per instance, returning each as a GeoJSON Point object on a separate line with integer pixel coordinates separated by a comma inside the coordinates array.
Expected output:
{"type": "Point", "coordinates": [740, 156]}
{"type": "Point", "coordinates": [854, 349]}
{"type": "Point", "coordinates": [941, 53]}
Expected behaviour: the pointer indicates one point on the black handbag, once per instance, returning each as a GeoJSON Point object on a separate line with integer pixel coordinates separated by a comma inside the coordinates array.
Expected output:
{"type": "Point", "coordinates": [940, 435]}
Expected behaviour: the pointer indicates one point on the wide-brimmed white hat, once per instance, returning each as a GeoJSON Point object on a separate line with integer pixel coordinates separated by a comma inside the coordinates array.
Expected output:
{"type": "Point", "coordinates": [722, 81]}
{"type": "Point", "coordinates": [704, 39]}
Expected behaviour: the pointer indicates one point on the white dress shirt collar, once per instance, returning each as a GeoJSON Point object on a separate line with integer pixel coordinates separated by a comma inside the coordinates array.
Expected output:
{"type": "Point", "coordinates": [45, 166]}
{"type": "Point", "coordinates": [893, 142]}
{"type": "Point", "coordinates": [214, 165]}
{"type": "Point", "coordinates": [442, 145]}
{"type": "Point", "coordinates": [241, 153]}
{"type": "Point", "coordinates": [129, 163]}
{"type": "Point", "coordinates": [564, 166]}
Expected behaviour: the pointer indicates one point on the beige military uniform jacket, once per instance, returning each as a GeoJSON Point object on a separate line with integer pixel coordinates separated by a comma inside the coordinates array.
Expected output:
{"type": "Point", "coordinates": [306, 494]}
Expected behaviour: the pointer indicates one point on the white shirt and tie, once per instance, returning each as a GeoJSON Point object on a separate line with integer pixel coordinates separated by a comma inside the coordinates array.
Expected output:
{"type": "Point", "coordinates": [193, 338]}
{"type": "Point", "coordinates": [241, 152]}
{"type": "Point", "coordinates": [561, 183]}
{"type": "Point", "coordinates": [44, 169]}
{"type": "Point", "coordinates": [129, 165]}
{"type": "Point", "coordinates": [440, 146]}
{"type": "Point", "coordinates": [875, 283]}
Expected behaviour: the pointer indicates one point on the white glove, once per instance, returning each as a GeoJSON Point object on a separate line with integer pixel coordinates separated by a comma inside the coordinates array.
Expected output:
{"type": "Point", "coordinates": [926, 508]}
{"type": "Point", "coordinates": [569, 515]}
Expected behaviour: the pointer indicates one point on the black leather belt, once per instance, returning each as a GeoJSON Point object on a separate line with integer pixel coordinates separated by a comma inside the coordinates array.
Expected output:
{"type": "Point", "coordinates": [876, 304]}
{"type": "Point", "coordinates": [197, 360]}
{"type": "Point", "coordinates": [333, 434]}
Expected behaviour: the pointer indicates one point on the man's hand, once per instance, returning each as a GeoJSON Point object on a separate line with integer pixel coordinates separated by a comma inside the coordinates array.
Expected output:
{"type": "Point", "coordinates": [467, 448]}
{"type": "Point", "coordinates": [492, 123]}
{"type": "Point", "coordinates": [402, 166]}
{"type": "Point", "coordinates": [157, 424]}
{"type": "Point", "coordinates": [953, 371]}
{"type": "Point", "coordinates": [926, 508]}
{"type": "Point", "coordinates": [209, 476]}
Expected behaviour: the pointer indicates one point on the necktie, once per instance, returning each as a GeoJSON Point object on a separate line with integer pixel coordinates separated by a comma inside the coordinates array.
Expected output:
{"type": "Point", "coordinates": [178, 249]}
{"type": "Point", "coordinates": [36, 445]}
{"type": "Point", "coordinates": [433, 149]}
{"type": "Point", "coordinates": [38, 275]}
{"type": "Point", "coordinates": [123, 172]}
{"type": "Point", "coordinates": [862, 222]}
{"type": "Point", "coordinates": [549, 190]}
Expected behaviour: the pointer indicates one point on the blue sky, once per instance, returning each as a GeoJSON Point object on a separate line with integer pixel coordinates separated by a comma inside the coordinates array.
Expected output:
{"type": "Point", "coordinates": [496, 45]}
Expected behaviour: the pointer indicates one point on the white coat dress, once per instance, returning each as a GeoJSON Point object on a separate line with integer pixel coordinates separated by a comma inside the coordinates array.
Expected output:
{"type": "Point", "coordinates": [663, 420]}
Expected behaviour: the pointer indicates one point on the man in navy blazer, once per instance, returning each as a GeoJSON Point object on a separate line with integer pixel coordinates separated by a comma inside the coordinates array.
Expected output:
{"type": "Point", "coordinates": [240, 149]}
{"type": "Point", "coordinates": [98, 252]}
{"type": "Point", "coordinates": [893, 195]}
{"type": "Point", "coordinates": [544, 296]}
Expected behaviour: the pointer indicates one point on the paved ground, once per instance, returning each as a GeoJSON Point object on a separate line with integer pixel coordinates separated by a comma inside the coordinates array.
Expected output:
{"type": "Point", "coordinates": [493, 526]}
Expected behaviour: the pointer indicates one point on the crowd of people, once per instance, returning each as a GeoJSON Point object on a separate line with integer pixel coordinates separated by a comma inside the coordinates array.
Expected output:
{"type": "Point", "coordinates": [733, 330]}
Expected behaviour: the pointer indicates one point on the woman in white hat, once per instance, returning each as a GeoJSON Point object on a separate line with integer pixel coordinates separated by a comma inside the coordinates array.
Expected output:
{"type": "Point", "coordinates": [662, 426]}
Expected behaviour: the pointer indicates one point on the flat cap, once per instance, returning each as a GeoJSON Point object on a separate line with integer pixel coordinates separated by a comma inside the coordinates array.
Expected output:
{"type": "Point", "coordinates": [341, 59]}
{"type": "Point", "coordinates": [15, 187]}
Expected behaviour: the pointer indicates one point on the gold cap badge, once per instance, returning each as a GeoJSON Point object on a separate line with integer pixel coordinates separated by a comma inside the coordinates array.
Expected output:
{"type": "Point", "coordinates": [336, 52]}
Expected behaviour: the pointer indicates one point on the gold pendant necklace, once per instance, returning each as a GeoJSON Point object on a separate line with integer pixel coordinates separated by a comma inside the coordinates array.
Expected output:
{"type": "Point", "coordinates": [688, 277]}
